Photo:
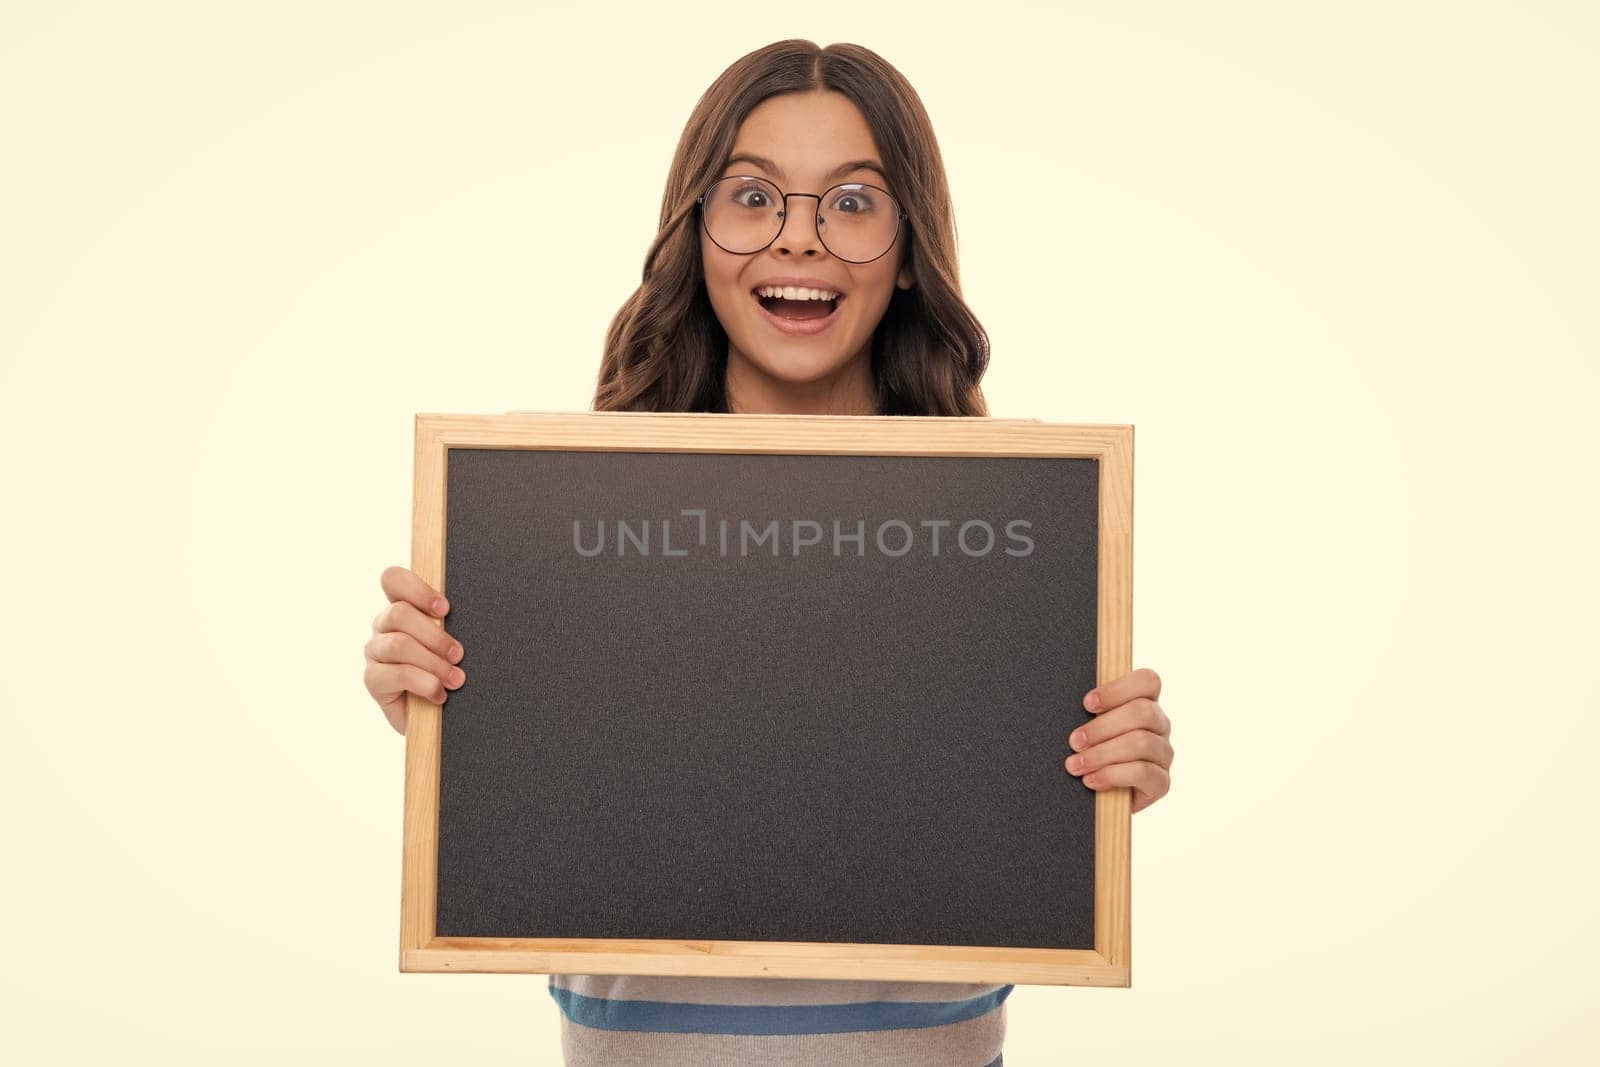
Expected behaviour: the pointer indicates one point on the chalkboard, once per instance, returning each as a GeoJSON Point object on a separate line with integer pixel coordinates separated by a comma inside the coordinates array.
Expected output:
{"type": "Point", "coordinates": [769, 696]}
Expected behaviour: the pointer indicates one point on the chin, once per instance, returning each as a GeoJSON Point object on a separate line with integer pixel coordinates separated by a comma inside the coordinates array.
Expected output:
{"type": "Point", "coordinates": [797, 367]}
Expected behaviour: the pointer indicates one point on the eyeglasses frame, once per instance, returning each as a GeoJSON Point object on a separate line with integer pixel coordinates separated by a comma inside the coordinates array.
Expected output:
{"type": "Point", "coordinates": [783, 215]}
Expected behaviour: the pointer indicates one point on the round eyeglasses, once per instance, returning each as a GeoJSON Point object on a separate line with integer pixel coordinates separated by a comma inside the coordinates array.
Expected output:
{"type": "Point", "coordinates": [855, 222]}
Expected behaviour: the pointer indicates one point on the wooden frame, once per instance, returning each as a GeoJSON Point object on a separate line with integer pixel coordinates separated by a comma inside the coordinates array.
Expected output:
{"type": "Point", "coordinates": [1108, 964]}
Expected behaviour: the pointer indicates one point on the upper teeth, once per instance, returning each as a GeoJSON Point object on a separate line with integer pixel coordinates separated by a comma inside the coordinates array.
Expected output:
{"type": "Point", "coordinates": [789, 292]}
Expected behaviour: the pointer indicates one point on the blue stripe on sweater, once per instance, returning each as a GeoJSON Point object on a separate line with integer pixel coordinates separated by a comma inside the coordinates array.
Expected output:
{"type": "Point", "coordinates": [658, 1016]}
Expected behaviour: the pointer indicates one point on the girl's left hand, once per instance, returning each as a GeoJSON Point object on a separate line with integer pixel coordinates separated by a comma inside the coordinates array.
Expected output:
{"type": "Point", "coordinates": [1128, 744]}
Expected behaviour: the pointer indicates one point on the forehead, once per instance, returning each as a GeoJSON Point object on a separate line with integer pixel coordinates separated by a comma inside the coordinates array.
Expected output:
{"type": "Point", "coordinates": [806, 134]}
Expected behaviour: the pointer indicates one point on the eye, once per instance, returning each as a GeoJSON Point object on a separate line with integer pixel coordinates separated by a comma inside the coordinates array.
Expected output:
{"type": "Point", "coordinates": [750, 195]}
{"type": "Point", "coordinates": [852, 200]}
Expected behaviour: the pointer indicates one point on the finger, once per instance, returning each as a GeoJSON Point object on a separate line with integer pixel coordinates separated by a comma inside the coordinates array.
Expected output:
{"type": "Point", "coordinates": [1142, 682]}
{"type": "Point", "coordinates": [1144, 778]}
{"type": "Point", "coordinates": [1124, 748]}
{"type": "Point", "coordinates": [401, 616]}
{"type": "Point", "coordinates": [401, 583]}
{"type": "Point", "coordinates": [389, 682]}
{"type": "Point", "coordinates": [398, 646]}
{"type": "Point", "coordinates": [1137, 714]}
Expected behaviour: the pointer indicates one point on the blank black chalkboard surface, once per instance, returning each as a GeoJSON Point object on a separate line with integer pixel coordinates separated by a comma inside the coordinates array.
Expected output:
{"type": "Point", "coordinates": [774, 696]}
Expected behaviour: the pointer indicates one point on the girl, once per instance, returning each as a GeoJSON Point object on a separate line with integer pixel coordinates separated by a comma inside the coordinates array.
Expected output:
{"type": "Point", "coordinates": [805, 264]}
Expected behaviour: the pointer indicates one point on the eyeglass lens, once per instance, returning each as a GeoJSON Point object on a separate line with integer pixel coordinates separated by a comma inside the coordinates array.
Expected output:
{"type": "Point", "coordinates": [856, 222]}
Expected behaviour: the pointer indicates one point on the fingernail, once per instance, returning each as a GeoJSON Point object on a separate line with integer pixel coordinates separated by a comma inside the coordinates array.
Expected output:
{"type": "Point", "coordinates": [440, 608]}
{"type": "Point", "coordinates": [455, 653]}
{"type": "Point", "coordinates": [1092, 701]}
{"type": "Point", "coordinates": [1075, 764]}
{"type": "Point", "coordinates": [1078, 738]}
{"type": "Point", "coordinates": [457, 676]}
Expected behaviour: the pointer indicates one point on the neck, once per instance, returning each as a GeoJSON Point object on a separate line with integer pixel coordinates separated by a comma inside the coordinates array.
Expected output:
{"type": "Point", "coordinates": [848, 391]}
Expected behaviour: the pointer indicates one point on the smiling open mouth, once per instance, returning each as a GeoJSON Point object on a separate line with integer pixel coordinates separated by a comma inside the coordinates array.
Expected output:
{"type": "Point", "coordinates": [799, 318]}
{"type": "Point", "coordinates": [798, 310]}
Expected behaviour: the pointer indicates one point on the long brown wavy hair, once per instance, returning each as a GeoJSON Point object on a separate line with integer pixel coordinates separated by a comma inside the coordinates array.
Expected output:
{"type": "Point", "coordinates": [666, 349]}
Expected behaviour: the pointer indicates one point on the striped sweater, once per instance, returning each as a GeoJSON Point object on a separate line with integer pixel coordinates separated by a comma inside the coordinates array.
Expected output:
{"type": "Point", "coordinates": [616, 1020]}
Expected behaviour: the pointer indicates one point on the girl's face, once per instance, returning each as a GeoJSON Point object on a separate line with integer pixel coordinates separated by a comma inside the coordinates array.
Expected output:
{"type": "Point", "coordinates": [802, 140]}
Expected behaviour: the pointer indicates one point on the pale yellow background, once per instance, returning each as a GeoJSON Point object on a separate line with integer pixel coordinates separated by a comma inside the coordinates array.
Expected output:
{"type": "Point", "coordinates": [1337, 263]}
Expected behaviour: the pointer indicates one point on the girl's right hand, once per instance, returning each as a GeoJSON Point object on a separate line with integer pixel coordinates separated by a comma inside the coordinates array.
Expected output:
{"type": "Point", "coordinates": [408, 653]}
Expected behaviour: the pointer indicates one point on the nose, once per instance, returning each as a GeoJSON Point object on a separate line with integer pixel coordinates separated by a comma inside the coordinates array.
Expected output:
{"type": "Point", "coordinates": [800, 224]}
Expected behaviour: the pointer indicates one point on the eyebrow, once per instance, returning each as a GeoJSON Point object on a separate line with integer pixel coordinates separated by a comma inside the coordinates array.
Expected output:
{"type": "Point", "coordinates": [838, 172]}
